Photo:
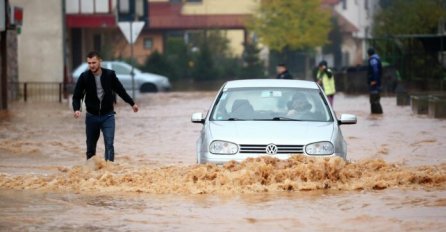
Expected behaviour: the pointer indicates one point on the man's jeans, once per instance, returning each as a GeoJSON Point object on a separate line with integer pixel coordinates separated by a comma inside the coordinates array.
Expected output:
{"type": "Point", "coordinates": [94, 124]}
{"type": "Point", "coordinates": [375, 106]}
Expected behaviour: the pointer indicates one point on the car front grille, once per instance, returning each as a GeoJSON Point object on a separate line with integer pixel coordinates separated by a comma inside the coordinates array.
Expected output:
{"type": "Point", "coordinates": [261, 149]}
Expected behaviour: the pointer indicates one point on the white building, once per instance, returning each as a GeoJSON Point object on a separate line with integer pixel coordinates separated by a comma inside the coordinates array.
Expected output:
{"type": "Point", "coordinates": [354, 21]}
{"type": "Point", "coordinates": [40, 43]}
{"type": "Point", "coordinates": [360, 13]}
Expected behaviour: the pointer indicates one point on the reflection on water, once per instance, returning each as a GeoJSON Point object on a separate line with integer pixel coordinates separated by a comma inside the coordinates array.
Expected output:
{"type": "Point", "coordinates": [323, 210]}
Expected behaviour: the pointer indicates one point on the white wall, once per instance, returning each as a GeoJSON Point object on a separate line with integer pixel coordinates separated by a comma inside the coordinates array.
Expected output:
{"type": "Point", "coordinates": [360, 13]}
{"type": "Point", "coordinates": [40, 44]}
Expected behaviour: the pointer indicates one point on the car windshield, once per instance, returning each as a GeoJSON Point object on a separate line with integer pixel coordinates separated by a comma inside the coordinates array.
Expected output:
{"type": "Point", "coordinates": [271, 104]}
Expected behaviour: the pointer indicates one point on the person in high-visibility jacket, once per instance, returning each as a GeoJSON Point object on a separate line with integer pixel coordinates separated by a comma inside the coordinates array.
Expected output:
{"type": "Point", "coordinates": [325, 78]}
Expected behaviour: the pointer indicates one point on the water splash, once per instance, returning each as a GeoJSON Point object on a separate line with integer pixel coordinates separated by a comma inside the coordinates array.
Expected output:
{"type": "Point", "coordinates": [265, 174]}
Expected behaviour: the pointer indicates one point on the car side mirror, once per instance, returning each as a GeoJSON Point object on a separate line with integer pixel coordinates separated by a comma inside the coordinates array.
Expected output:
{"type": "Point", "coordinates": [197, 118]}
{"type": "Point", "coordinates": [347, 119]}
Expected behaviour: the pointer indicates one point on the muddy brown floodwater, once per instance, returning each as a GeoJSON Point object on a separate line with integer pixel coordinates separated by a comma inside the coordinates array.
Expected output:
{"type": "Point", "coordinates": [394, 179]}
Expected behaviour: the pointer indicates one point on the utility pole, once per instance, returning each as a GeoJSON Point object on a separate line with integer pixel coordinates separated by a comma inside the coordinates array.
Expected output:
{"type": "Point", "coordinates": [132, 60]}
{"type": "Point", "coordinates": [4, 67]}
{"type": "Point", "coordinates": [4, 56]}
{"type": "Point", "coordinates": [10, 19]}
{"type": "Point", "coordinates": [131, 17]}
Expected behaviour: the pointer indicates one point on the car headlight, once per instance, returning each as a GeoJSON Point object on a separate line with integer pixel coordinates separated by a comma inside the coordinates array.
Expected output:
{"type": "Point", "coordinates": [319, 148]}
{"type": "Point", "coordinates": [223, 148]}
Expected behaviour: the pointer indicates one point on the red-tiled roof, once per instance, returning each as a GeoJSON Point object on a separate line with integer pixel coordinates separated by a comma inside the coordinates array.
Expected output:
{"type": "Point", "coordinates": [344, 23]}
{"type": "Point", "coordinates": [168, 16]}
{"type": "Point", "coordinates": [198, 22]}
{"type": "Point", "coordinates": [163, 15]}
{"type": "Point", "coordinates": [164, 8]}
{"type": "Point", "coordinates": [330, 2]}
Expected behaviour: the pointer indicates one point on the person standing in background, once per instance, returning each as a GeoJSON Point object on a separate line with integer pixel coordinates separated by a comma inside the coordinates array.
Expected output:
{"type": "Point", "coordinates": [282, 72]}
{"type": "Point", "coordinates": [374, 74]}
{"type": "Point", "coordinates": [97, 86]}
{"type": "Point", "coordinates": [325, 78]}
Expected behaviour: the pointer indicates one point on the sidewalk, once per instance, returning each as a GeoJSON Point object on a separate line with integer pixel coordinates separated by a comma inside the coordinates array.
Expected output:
{"type": "Point", "coordinates": [396, 136]}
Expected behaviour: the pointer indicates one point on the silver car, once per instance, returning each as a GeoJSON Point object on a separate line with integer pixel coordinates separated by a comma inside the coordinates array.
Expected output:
{"type": "Point", "coordinates": [278, 118]}
{"type": "Point", "coordinates": [144, 82]}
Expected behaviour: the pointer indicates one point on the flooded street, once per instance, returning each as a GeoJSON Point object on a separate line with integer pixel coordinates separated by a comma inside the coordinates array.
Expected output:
{"type": "Point", "coordinates": [395, 179]}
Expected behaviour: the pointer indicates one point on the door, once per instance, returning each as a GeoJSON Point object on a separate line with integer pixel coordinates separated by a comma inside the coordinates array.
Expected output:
{"type": "Point", "coordinates": [123, 72]}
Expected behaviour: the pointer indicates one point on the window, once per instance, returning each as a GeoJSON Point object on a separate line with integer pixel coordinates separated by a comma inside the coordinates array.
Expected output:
{"type": "Point", "coordinates": [87, 7]}
{"type": "Point", "coordinates": [269, 103]}
{"type": "Point", "coordinates": [101, 6]}
{"type": "Point", "coordinates": [344, 4]}
{"type": "Point", "coordinates": [148, 43]}
{"type": "Point", "coordinates": [121, 69]}
{"type": "Point", "coordinates": [345, 59]}
{"type": "Point", "coordinates": [124, 6]}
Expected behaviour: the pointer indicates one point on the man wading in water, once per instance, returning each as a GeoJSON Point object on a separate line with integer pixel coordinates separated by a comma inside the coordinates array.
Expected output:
{"type": "Point", "coordinates": [99, 85]}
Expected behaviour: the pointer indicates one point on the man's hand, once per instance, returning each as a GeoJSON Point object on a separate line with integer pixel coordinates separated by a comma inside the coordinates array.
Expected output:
{"type": "Point", "coordinates": [373, 83]}
{"type": "Point", "coordinates": [135, 108]}
{"type": "Point", "coordinates": [77, 114]}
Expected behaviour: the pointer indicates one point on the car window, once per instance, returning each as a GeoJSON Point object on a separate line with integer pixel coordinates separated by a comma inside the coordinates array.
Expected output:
{"type": "Point", "coordinates": [121, 69]}
{"type": "Point", "coordinates": [271, 104]}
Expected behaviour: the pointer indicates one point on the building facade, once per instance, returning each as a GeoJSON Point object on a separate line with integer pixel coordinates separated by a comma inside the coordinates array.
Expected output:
{"type": "Point", "coordinates": [53, 28]}
{"type": "Point", "coordinates": [360, 14]}
{"type": "Point", "coordinates": [40, 45]}
{"type": "Point", "coordinates": [91, 25]}
{"type": "Point", "coordinates": [352, 30]}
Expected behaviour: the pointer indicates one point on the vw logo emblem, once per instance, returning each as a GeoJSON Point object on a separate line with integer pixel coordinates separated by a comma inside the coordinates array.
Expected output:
{"type": "Point", "coordinates": [271, 149]}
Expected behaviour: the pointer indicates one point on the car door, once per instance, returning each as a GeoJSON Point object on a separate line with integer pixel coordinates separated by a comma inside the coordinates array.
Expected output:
{"type": "Point", "coordinates": [124, 74]}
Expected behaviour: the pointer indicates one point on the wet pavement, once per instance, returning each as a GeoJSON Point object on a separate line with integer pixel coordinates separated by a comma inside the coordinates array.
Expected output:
{"type": "Point", "coordinates": [394, 179]}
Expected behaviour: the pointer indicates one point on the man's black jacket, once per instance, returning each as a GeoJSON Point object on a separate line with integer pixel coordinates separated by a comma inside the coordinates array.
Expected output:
{"type": "Point", "coordinates": [86, 86]}
{"type": "Point", "coordinates": [284, 75]}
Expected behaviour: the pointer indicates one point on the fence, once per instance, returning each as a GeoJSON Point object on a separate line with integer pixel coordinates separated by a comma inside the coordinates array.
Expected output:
{"type": "Point", "coordinates": [35, 91]}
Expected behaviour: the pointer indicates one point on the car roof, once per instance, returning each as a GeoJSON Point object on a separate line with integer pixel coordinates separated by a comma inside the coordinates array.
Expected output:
{"type": "Point", "coordinates": [271, 83]}
{"type": "Point", "coordinates": [104, 63]}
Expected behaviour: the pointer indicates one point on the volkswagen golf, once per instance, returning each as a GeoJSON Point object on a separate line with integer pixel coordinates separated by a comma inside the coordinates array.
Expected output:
{"type": "Point", "coordinates": [270, 117]}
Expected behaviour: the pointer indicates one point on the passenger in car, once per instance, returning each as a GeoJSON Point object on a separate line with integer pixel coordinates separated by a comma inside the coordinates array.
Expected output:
{"type": "Point", "coordinates": [242, 109]}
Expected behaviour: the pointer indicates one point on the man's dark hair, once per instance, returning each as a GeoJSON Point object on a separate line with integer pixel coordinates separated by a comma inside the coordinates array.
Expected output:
{"type": "Point", "coordinates": [371, 51]}
{"type": "Point", "coordinates": [323, 63]}
{"type": "Point", "coordinates": [93, 54]}
{"type": "Point", "coordinates": [281, 65]}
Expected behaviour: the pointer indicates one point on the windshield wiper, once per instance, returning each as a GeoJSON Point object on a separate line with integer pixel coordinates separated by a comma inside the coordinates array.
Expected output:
{"type": "Point", "coordinates": [235, 119]}
{"type": "Point", "coordinates": [285, 119]}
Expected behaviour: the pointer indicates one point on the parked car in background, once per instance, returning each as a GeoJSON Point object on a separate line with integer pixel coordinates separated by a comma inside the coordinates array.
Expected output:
{"type": "Point", "coordinates": [278, 118]}
{"type": "Point", "coordinates": [144, 82]}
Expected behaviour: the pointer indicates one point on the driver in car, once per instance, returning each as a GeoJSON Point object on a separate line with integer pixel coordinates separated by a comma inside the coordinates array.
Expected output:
{"type": "Point", "coordinates": [299, 107]}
